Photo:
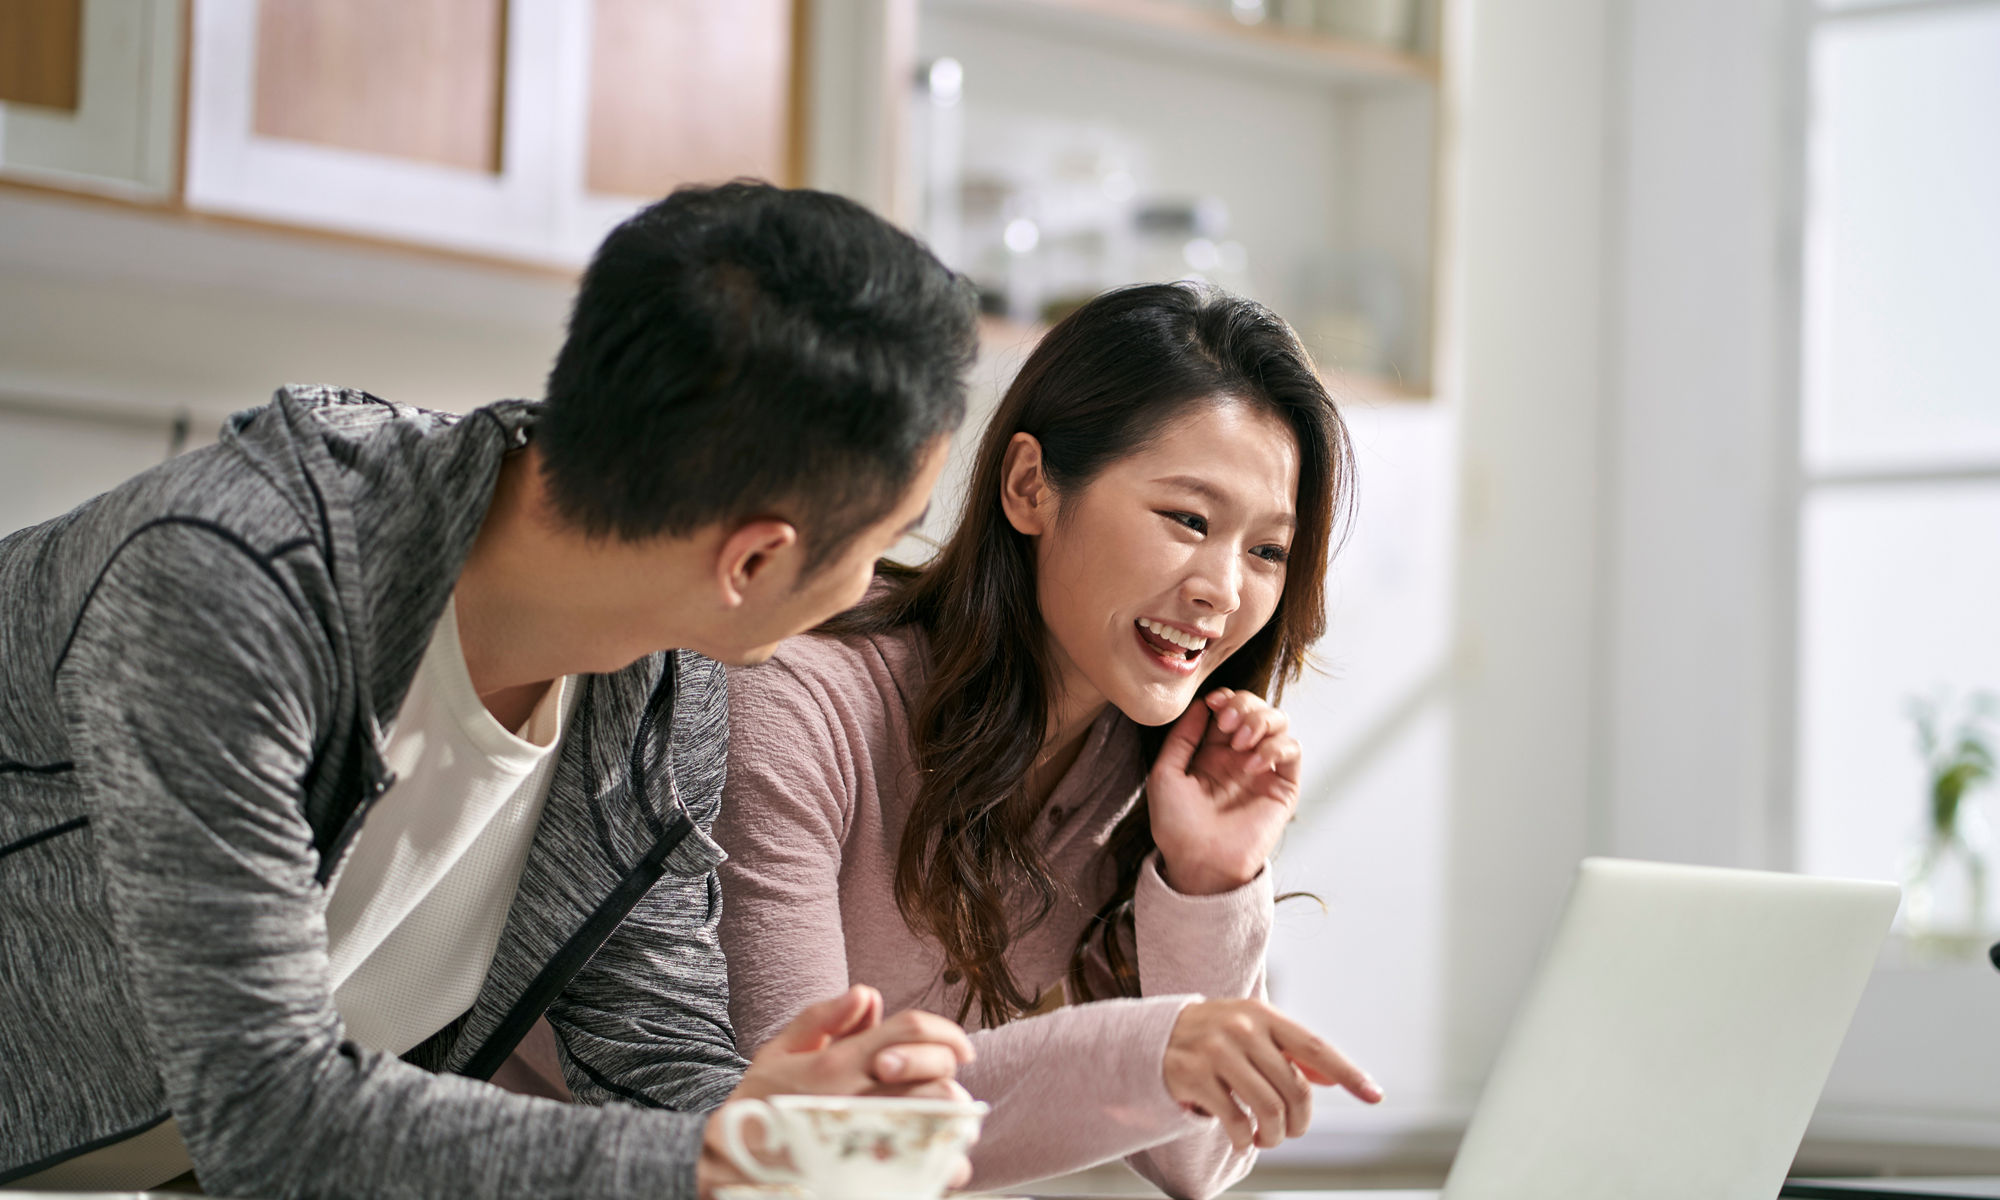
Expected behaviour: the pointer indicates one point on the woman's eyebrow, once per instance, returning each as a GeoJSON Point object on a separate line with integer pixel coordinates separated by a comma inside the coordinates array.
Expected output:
{"type": "Point", "coordinates": [1199, 486]}
{"type": "Point", "coordinates": [1215, 495]}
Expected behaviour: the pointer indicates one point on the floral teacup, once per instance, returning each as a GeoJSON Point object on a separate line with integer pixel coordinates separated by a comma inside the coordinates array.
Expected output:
{"type": "Point", "coordinates": [856, 1147]}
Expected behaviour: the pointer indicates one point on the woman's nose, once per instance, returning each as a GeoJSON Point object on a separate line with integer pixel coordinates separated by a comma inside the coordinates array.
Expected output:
{"type": "Point", "coordinates": [1216, 583]}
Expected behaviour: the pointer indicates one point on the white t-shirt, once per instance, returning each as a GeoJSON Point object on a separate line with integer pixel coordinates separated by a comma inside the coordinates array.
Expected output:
{"type": "Point", "coordinates": [419, 902]}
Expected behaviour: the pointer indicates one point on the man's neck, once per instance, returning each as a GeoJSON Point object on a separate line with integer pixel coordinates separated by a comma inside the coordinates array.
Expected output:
{"type": "Point", "coordinates": [538, 601]}
{"type": "Point", "coordinates": [513, 706]}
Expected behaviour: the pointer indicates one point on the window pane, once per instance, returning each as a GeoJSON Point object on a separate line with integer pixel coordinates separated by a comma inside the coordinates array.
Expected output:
{"type": "Point", "coordinates": [1903, 244]}
{"type": "Point", "coordinates": [1900, 597]}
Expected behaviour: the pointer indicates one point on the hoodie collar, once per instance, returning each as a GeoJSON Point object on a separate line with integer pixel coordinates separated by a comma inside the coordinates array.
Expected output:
{"type": "Point", "coordinates": [410, 485]}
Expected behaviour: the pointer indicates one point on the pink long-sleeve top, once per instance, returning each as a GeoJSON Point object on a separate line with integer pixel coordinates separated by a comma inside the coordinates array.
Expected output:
{"type": "Point", "coordinates": [821, 780]}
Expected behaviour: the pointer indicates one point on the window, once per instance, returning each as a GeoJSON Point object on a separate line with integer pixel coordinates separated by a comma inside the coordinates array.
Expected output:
{"type": "Point", "coordinates": [1899, 585]}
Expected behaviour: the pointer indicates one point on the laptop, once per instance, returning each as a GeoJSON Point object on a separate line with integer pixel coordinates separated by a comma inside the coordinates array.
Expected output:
{"type": "Point", "coordinates": [1677, 1037]}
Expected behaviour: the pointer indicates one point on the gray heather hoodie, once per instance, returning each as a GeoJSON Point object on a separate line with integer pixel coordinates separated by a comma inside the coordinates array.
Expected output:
{"type": "Point", "coordinates": [195, 673]}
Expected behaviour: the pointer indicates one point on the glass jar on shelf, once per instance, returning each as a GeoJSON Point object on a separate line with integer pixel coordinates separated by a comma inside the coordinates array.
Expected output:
{"type": "Point", "coordinates": [1387, 23]}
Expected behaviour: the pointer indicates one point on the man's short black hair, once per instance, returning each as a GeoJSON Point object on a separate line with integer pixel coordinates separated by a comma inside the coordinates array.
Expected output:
{"type": "Point", "coordinates": [746, 350]}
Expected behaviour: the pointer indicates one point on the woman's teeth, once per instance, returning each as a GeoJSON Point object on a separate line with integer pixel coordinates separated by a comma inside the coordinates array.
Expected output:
{"type": "Point", "coordinates": [1167, 633]}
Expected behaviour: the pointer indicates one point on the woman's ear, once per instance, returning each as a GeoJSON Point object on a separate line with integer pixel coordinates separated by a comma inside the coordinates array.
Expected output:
{"type": "Point", "coordinates": [1025, 494]}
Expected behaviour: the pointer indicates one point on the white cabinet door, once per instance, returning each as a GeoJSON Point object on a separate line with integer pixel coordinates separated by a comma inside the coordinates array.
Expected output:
{"type": "Point", "coordinates": [121, 136]}
{"type": "Point", "coordinates": [234, 168]}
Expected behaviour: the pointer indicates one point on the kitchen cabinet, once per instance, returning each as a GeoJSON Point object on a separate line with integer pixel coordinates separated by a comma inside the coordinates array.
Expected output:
{"type": "Point", "coordinates": [90, 95]}
{"type": "Point", "coordinates": [522, 129]}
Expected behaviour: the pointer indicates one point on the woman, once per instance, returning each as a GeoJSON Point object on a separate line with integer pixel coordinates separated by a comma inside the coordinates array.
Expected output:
{"type": "Point", "coordinates": [1034, 784]}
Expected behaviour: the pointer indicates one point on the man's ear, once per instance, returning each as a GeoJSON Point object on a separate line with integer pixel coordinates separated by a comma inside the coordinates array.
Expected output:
{"type": "Point", "coordinates": [1025, 494]}
{"type": "Point", "coordinates": [749, 555]}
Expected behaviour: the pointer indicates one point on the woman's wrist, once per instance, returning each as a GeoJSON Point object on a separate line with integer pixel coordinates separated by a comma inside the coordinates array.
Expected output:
{"type": "Point", "coordinates": [1195, 878]}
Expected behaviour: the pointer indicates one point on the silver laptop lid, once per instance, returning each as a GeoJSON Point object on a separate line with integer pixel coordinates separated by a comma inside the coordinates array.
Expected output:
{"type": "Point", "coordinates": [1677, 1037]}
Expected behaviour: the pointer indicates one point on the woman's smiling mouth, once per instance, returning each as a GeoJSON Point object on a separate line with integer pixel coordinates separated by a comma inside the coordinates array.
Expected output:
{"type": "Point", "coordinates": [1175, 649]}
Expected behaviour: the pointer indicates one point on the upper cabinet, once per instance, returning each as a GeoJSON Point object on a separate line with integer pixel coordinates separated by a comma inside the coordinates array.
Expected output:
{"type": "Point", "coordinates": [90, 94]}
{"type": "Point", "coordinates": [519, 128]}
{"type": "Point", "coordinates": [688, 90]}
{"type": "Point", "coordinates": [512, 129]}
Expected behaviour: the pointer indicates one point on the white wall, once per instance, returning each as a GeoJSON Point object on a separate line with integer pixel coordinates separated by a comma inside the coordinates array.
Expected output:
{"type": "Point", "coordinates": [1698, 559]}
{"type": "Point", "coordinates": [123, 301]}
{"type": "Point", "coordinates": [52, 460]}
{"type": "Point", "coordinates": [114, 321]}
{"type": "Point", "coordinates": [1450, 793]}
{"type": "Point", "coordinates": [1372, 837]}
{"type": "Point", "coordinates": [1527, 305]}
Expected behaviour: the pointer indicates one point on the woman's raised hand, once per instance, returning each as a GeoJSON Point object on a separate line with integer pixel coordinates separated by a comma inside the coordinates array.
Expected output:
{"type": "Point", "coordinates": [1225, 784]}
{"type": "Point", "coordinates": [1251, 1067]}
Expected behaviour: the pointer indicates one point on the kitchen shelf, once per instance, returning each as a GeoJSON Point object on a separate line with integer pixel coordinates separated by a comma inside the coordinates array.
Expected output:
{"type": "Point", "coordinates": [1012, 341]}
{"type": "Point", "coordinates": [1207, 39]}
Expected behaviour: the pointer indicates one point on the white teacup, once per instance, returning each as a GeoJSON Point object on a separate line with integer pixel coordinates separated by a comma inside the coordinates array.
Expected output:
{"type": "Point", "coordinates": [856, 1147]}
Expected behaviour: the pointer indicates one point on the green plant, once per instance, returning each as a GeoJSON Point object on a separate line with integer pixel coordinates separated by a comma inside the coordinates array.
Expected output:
{"type": "Point", "coordinates": [1959, 761]}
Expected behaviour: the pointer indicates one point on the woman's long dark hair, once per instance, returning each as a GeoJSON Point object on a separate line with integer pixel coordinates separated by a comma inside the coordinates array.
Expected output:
{"type": "Point", "coordinates": [1100, 385]}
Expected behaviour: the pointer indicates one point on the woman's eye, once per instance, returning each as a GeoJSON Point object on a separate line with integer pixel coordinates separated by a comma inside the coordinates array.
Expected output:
{"type": "Point", "coordinates": [1272, 554]}
{"type": "Point", "coordinates": [1196, 523]}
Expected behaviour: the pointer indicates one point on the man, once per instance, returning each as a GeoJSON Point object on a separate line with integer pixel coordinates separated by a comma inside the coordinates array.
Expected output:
{"type": "Point", "coordinates": [334, 755]}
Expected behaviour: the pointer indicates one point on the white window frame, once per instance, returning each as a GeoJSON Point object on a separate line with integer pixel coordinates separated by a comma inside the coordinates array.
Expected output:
{"type": "Point", "coordinates": [1873, 1098]}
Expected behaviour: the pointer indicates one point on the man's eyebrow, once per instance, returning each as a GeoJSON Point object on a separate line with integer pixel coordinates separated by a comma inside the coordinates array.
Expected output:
{"type": "Point", "coordinates": [1215, 495]}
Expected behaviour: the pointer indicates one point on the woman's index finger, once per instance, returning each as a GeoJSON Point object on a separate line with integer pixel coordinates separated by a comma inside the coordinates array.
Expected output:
{"type": "Point", "coordinates": [1322, 1063]}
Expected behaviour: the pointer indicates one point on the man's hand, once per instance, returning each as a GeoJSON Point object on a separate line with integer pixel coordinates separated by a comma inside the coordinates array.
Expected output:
{"type": "Point", "coordinates": [843, 1047]}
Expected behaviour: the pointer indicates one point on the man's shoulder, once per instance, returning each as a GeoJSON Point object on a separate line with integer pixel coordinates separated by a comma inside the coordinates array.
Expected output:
{"type": "Point", "coordinates": [701, 704]}
{"type": "Point", "coordinates": [698, 674]}
{"type": "Point", "coordinates": [693, 677]}
{"type": "Point", "coordinates": [267, 481]}
{"type": "Point", "coordinates": [332, 411]}
{"type": "Point", "coordinates": [205, 528]}
{"type": "Point", "coordinates": [679, 691]}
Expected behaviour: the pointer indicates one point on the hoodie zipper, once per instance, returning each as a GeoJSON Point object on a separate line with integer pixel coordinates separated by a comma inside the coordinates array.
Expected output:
{"type": "Point", "coordinates": [583, 945]}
